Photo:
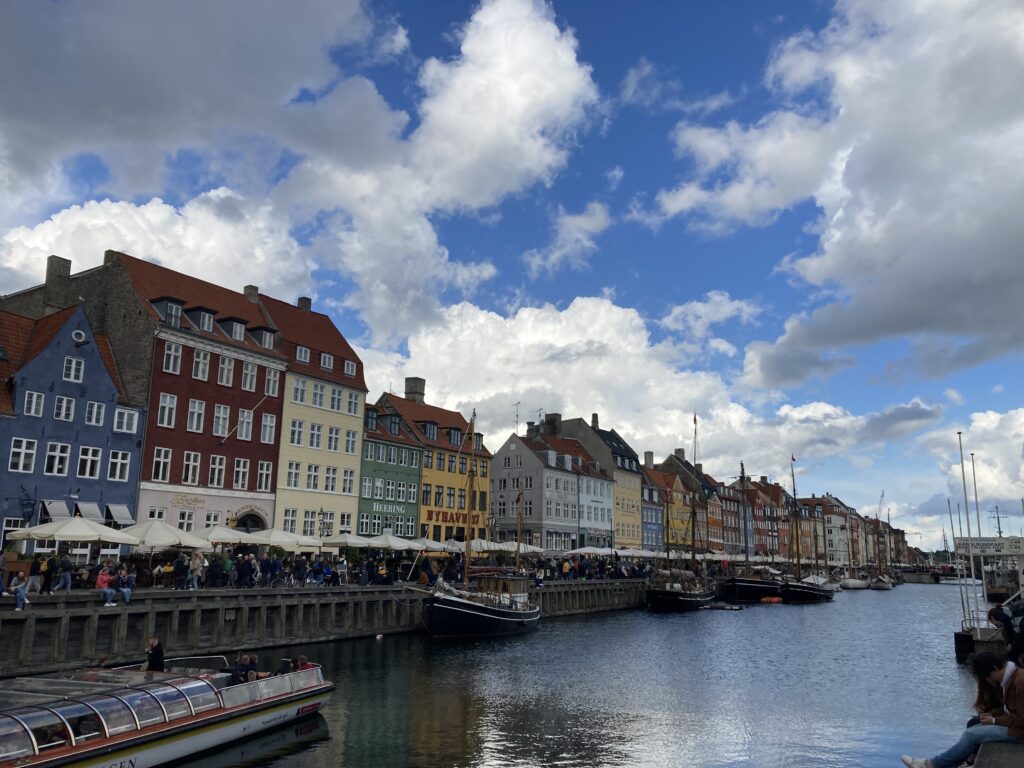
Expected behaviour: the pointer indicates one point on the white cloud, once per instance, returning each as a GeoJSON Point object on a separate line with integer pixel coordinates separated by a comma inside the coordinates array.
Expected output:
{"type": "Point", "coordinates": [902, 124]}
{"type": "Point", "coordinates": [695, 318]}
{"type": "Point", "coordinates": [997, 389]}
{"type": "Point", "coordinates": [573, 239]}
{"type": "Point", "coordinates": [645, 86]}
{"type": "Point", "coordinates": [614, 177]}
{"type": "Point", "coordinates": [954, 396]}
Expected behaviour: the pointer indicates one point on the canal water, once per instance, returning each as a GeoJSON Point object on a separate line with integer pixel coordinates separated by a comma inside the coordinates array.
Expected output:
{"type": "Point", "coordinates": [853, 683]}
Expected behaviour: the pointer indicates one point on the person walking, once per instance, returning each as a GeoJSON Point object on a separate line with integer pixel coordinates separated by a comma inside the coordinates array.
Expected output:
{"type": "Point", "coordinates": [195, 569]}
{"type": "Point", "coordinates": [66, 569]}
{"type": "Point", "coordinates": [50, 570]}
{"type": "Point", "coordinates": [1005, 724]}
{"type": "Point", "coordinates": [35, 574]}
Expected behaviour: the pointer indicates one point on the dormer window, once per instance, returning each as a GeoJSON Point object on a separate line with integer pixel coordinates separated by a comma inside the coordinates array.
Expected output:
{"type": "Point", "coordinates": [206, 322]}
{"type": "Point", "coordinates": [326, 361]}
{"type": "Point", "coordinates": [455, 436]}
{"type": "Point", "coordinates": [172, 316]}
{"type": "Point", "coordinates": [350, 368]}
{"type": "Point", "coordinates": [237, 331]}
{"type": "Point", "coordinates": [371, 419]}
{"type": "Point", "coordinates": [302, 354]}
{"type": "Point", "coordinates": [393, 424]}
{"type": "Point", "coordinates": [430, 430]}
{"type": "Point", "coordinates": [478, 445]}
{"type": "Point", "coordinates": [268, 340]}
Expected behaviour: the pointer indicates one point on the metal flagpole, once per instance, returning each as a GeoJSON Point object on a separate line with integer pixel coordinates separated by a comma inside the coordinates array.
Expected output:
{"type": "Point", "coordinates": [970, 544]}
{"type": "Point", "coordinates": [977, 514]}
{"type": "Point", "coordinates": [959, 580]}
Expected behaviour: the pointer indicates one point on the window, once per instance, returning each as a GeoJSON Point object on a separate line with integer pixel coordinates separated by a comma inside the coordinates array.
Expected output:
{"type": "Point", "coordinates": [172, 315]}
{"type": "Point", "coordinates": [267, 339]}
{"type": "Point", "coordinates": [326, 361]}
{"type": "Point", "coordinates": [426, 494]}
{"type": "Point", "coordinates": [201, 365]}
{"type": "Point", "coordinates": [157, 513]}
{"type": "Point", "coordinates": [206, 322]}
{"type": "Point", "coordinates": [330, 479]}
{"type": "Point", "coordinates": [364, 523]}
{"type": "Point", "coordinates": [312, 477]}
{"type": "Point", "coordinates": [368, 451]}
{"type": "Point", "coordinates": [462, 498]}
{"type": "Point", "coordinates": [34, 403]}
{"type": "Point", "coordinates": [411, 494]}
{"type": "Point", "coordinates": [212, 519]}
{"type": "Point", "coordinates": [327, 524]}
{"type": "Point", "coordinates": [367, 487]}
{"type": "Point", "coordinates": [400, 491]}
{"type": "Point", "coordinates": [431, 430]}
{"type": "Point", "coordinates": [299, 391]}
{"type": "Point", "coordinates": [268, 428]}
{"type": "Point", "coordinates": [403, 457]}
{"type": "Point", "coordinates": [196, 415]}
{"type": "Point", "coordinates": [217, 465]}
{"type": "Point", "coordinates": [241, 480]}
{"type": "Point", "coordinates": [244, 424]}
{"type": "Point", "coordinates": [428, 459]}
{"type": "Point", "coordinates": [378, 488]}
{"type": "Point", "coordinates": [309, 522]}
{"type": "Point", "coordinates": [168, 407]}
{"type": "Point", "coordinates": [336, 400]}
{"type": "Point", "coordinates": [190, 469]}
{"type": "Point", "coordinates": [273, 380]}
{"type": "Point", "coordinates": [226, 371]}
{"type": "Point", "coordinates": [414, 459]}
{"type": "Point", "coordinates": [455, 436]}
{"type": "Point", "coordinates": [318, 394]}
{"type": "Point", "coordinates": [440, 462]}
{"type": "Point", "coordinates": [451, 463]}
{"type": "Point", "coordinates": [348, 481]}
{"type": "Point", "coordinates": [334, 439]}
{"type": "Point", "coordinates": [117, 468]}
{"type": "Point", "coordinates": [57, 458]}
{"type": "Point", "coordinates": [186, 519]}
{"type": "Point", "coordinates": [221, 418]}
{"type": "Point", "coordinates": [249, 377]}
{"type": "Point", "coordinates": [462, 465]}
{"type": "Point", "coordinates": [389, 493]}
{"type": "Point", "coordinates": [450, 498]}
{"type": "Point", "coordinates": [394, 425]}
{"type": "Point", "coordinates": [376, 525]}
{"type": "Point", "coordinates": [483, 469]}
{"type": "Point", "coordinates": [94, 413]}
{"type": "Point", "coordinates": [161, 464]}
{"type": "Point", "coordinates": [263, 476]}
{"type": "Point", "coordinates": [74, 369]}
{"type": "Point", "coordinates": [290, 516]}
{"type": "Point", "coordinates": [296, 432]}
{"type": "Point", "coordinates": [293, 474]}
{"type": "Point", "coordinates": [350, 368]}
{"type": "Point", "coordinates": [302, 354]}
{"type": "Point", "coordinates": [125, 421]}
{"type": "Point", "coordinates": [350, 441]}
{"type": "Point", "coordinates": [382, 452]}
{"type": "Point", "coordinates": [316, 433]}
{"type": "Point", "coordinates": [238, 331]}
{"type": "Point", "coordinates": [353, 403]}
{"type": "Point", "coordinates": [172, 357]}
{"type": "Point", "coordinates": [392, 455]}
{"type": "Point", "coordinates": [64, 408]}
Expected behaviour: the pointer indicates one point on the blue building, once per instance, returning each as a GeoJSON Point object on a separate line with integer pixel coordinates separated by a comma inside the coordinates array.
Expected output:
{"type": "Point", "coordinates": [69, 443]}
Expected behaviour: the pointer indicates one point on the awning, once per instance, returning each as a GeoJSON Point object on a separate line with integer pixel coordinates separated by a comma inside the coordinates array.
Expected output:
{"type": "Point", "coordinates": [90, 510]}
{"type": "Point", "coordinates": [120, 514]}
{"type": "Point", "coordinates": [57, 510]}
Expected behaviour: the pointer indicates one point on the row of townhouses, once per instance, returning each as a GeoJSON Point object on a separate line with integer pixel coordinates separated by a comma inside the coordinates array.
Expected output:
{"type": "Point", "coordinates": [133, 391]}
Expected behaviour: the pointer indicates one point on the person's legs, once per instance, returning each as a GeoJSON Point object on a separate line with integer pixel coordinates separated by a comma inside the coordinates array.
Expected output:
{"type": "Point", "coordinates": [126, 595]}
{"type": "Point", "coordinates": [20, 599]}
{"type": "Point", "coordinates": [65, 581]}
{"type": "Point", "coordinates": [969, 742]}
{"type": "Point", "coordinates": [33, 581]}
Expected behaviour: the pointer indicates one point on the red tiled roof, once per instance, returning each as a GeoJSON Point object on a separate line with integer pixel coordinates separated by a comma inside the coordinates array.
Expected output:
{"type": "Point", "coordinates": [15, 335]}
{"type": "Point", "coordinates": [567, 446]}
{"type": "Point", "coordinates": [103, 346]}
{"type": "Point", "coordinates": [660, 479]}
{"type": "Point", "coordinates": [153, 282]}
{"type": "Point", "coordinates": [381, 432]}
{"type": "Point", "coordinates": [317, 332]}
{"type": "Point", "coordinates": [45, 329]}
{"type": "Point", "coordinates": [416, 414]}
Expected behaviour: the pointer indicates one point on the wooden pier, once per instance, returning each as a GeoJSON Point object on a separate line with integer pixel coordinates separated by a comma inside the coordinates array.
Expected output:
{"type": "Point", "coordinates": [72, 630]}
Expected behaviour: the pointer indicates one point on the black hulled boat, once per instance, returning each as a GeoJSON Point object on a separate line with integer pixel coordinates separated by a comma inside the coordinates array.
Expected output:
{"type": "Point", "coordinates": [500, 606]}
{"type": "Point", "coordinates": [796, 592]}
{"type": "Point", "coordinates": [668, 598]}
{"type": "Point", "coordinates": [748, 589]}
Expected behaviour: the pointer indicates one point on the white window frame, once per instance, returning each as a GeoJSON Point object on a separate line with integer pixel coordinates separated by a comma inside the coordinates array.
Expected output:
{"type": "Point", "coordinates": [217, 467]}
{"type": "Point", "coordinates": [336, 393]}
{"type": "Point", "coordinates": [244, 428]}
{"type": "Point", "coordinates": [238, 331]}
{"type": "Point", "coordinates": [299, 391]}
{"type": "Point", "coordinates": [119, 466]}
{"type": "Point", "coordinates": [331, 479]}
{"type": "Point", "coordinates": [268, 428]}
{"type": "Point", "coordinates": [312, 477]}
{"type": "Point", "coordinates": [196, 416]}
{"type": "Point", "coordinates": [172, 315]}
{"type": "Point", "coordinates": [221, 420]}
{"type": "Point", "coordinates": [294, 472]}
{"type": "Point", "coordinates": [326, 361]}
{"type": "Point", "coordinates": [35, 402]}
{"type": "Point", "coordinates": [240, 479]}
{"type": "Point", "coordinates": [316, 397]}
{"type": "Point", "coordinates": [201, 365]}
{"type": "Point", "coordinates": [272, 385]}
{"type": "Point", "coordinates": [290, 518]}
{"type": "Point", "coordinates": [94, 413]}
{"type": "Point", "coordinates": [353, 403]}
{"type": "Point", "coordinates": [226, 371]}
{"type": "Point", "coordinates": [249, 376]}
{"type": "Point", "coordinates": [64, 408]}
{"type": "Point", "coordinates": [162, 464]}
{"type": "Point", "coordinates": [172, 357]}
{"type": "Point", "coordinates": [206, 322]}
{"type": "Point", "coordinates": [74, 369]}
{"type": "Point", "coordinates": [94, 458]}
{"type": "Point", "coordinates": [295, 433]}
{"type": "Point", "coordinates": [350, 441]}
{"type": "Point", "coordinates": [350, 368]}
{"type": "Point", "coordinates": [190, 468]}
{"type": "Point", "coordinates": [61, 454]}
{"type": "Point", "coordinates": [122, 417]}
{"type": "Point", "coordinates": [348, 481]}
{"type": "Point", "coordinates": [267, 342]}
{"type": "Point", "coordinates": [316, 435]}
{"type": "Point", "coordinates": [302, 354]}
{"type": "Point", "coordinates": [168, 410]}
{"type": "Point", "coordinates": [334, 439]}
{"type": "Point", "coordinates": [264, 475]}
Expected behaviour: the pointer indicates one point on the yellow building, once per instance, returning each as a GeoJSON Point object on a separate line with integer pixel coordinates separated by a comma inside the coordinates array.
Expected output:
{"type": "Point", "coordinates": [321, 430]}
{"type": "Point", "coordinates": [456, 467]}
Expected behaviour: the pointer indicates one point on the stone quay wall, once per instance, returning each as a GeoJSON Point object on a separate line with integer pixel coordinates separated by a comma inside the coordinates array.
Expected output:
{"type": "Point", "coordinates": [71, 631]}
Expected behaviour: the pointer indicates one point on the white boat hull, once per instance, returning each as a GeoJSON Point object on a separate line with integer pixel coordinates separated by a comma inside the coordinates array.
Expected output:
{"type": "Point", "coordinates": [853, 584]}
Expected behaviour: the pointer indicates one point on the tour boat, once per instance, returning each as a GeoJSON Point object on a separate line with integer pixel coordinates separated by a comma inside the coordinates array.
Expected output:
{"type": "Point", "coordinates": [500, 606]}
{"type": "Point", "coordinates": [880, 582]}
{"type": "Point", "coordinates": [129, 718]}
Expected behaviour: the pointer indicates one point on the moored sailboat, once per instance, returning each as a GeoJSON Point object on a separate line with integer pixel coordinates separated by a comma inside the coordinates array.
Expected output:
{"type": "Point", "coordinates": [801, 590]}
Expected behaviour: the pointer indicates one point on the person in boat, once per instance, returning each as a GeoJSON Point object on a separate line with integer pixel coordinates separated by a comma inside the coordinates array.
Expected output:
{"type": "Point", "coordinates": [1005, 724]}
{"type": "Point", "coordinates": [1003, 617]}
{"type": "Point", "coordinates": [154, 654]}
{"type": "Point", "coordinates": [304, 663]}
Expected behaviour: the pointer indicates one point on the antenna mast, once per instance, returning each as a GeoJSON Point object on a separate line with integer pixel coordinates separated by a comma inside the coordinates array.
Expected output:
{"type": "Point", "coordinates": [517, 403]}
{"type": "Point", "coordinates": [695, 444]}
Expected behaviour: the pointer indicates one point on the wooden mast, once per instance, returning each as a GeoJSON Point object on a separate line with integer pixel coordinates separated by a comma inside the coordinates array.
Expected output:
{"type": "Point", "coordinates": [796, 513]}
{"type": "Point", "coordinates": [743, 509]}
{"type": "Point", "coordinates": [471, 501]}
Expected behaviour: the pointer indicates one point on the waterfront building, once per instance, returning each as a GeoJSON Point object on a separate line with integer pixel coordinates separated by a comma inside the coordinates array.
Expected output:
{"type": "Point", "coordinates": [716, 527]}
{"type": "Point", "coordinates": [71, 438]}
{"type": "Point", "coordinates": [200, 361]}
{"type": "Point", "coordinates": [737, 520]}
{"type": "Point", "coordinates": [389, 489]}
{"type": "Point", "coordinates": [652, 512]}
{"type": "Point", "coordinates": [610, 450]}
{"type": "Point", "coordinates": [695, 491]}
{"type": "Point", "coordinates": [455, 468]}
{"type": "Point", "coordinates": [842, 529]}
{"type": "Point", "coordinates": [321, 422]}
{"type": "Point", "coordinates": [667, 492]}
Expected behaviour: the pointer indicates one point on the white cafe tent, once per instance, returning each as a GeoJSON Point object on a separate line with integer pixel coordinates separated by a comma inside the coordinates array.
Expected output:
{"type": "Point", "coordinates": [73, 529]}
{"type": "Point", "coordinates": [156, 534]}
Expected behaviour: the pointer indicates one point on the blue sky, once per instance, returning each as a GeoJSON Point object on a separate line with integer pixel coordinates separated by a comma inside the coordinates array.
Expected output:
{"type": "Point", "coordinates": [796, 220]}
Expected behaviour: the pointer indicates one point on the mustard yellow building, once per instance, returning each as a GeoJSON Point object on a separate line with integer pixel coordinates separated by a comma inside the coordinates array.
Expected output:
{"type": "Point", "coordinates": [456, 466]}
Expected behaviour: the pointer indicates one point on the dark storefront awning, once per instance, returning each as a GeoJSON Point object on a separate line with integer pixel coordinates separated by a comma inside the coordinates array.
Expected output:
{"type": "Point", "coordinates": [57, 510]}
{"type": "Point", "coordinates": [120, 514]}
{"type": "Point", "coordinates": [90, 510]}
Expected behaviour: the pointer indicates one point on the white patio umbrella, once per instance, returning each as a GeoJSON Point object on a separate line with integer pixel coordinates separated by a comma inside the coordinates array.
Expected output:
{"type": "Point", "coordinates": [390, 541]}
{"type": "Point", "coordinates": [347, 540]}
{"type": "Point", "coordinates": [524, 548]}
{"type": "Point", "coordinates": [156, 534]}
{"type": "Point", "coordinates": [219, 534]}
{"type": "Point", "coordinates": [290, 541]}
{"type": "Point", "coordinates": [428, 545]}
{"type": "Point", "coordinates": [73, 529]}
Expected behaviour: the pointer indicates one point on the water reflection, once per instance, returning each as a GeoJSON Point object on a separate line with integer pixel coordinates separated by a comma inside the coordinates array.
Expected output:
{"type": "Point", "coordinates": [852, 683]}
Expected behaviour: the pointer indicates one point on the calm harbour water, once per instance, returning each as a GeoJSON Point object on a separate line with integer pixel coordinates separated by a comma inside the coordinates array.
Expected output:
{"type": "Point", "coordinates": [853, 683]}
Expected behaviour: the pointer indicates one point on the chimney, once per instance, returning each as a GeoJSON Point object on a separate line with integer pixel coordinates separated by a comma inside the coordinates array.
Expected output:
{"type": "Point", "coordinates": [764, 479]}
{"type": "Point", "coordinates": [415, 389]}
{"type": "Point", "coordinates": [304, 303]}
{"type": "Point", "coordinates": [252, 293]}
{"type": "Point", "coordinates": [57, 268]}
{"type": "Point", "coordinates": [649, 459]}
{"type": "Point", "coordinates": [553, 423]}
{"type": "Point", "coordinates": [58, 275]}
{"type": "Point", "coordinates": [680, 453]}
{"type": "Point", "coordinates": [593, 421]}
{"type": "Point", "coordinates": [699, 469]}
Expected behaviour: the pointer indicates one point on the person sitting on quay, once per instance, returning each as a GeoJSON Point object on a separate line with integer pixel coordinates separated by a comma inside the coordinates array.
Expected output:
{"type": "Point", "coordinates": [104, 580]}
{"type": "Point", "coordinates": [1005, 724]}
{"type": "Point", "coordinates": [122, 584]}
{"type": "Point", "coordinates": [17, 589]}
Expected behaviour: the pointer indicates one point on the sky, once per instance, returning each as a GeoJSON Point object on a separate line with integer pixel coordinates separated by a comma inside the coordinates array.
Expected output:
{"type": "Point", "coordinates": [798, 222]}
